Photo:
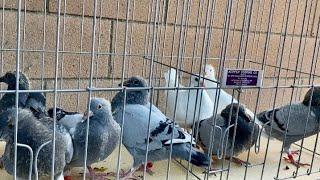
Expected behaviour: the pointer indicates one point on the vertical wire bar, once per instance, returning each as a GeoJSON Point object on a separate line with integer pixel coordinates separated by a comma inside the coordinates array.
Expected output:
{"type": "Point", "coordinates": [24, 33]}
{"type": "Point", "coordinates": [55, 87]}
{"type": "Point", "coordinates": [280, 47]}
{"type": "Point", "coordinates": [164, 25]}
{"type": "Point", "coordinates": [234, 24]}
{"type": "Point", "coordinates": [294, 82]}
{"type": "Point", "coordinates": [290, 51]}
{"type": "Point", "coordinates": [80, 57]}
{"type": "Point", "coordinates": [18, 36]}
{"type": "Point", "coordinates": [203, 60]}
{"type": "Point", "coordinates": [177, 78]}
{"type": "Point", "coordinates": [303, 51]}
{"type": "Point", "coordinates": [153, 49]}
{"type": "Point", "coordinates": [115, 42]}
{"type": "Point", "coordinates": [277, 87]}
{"type": "Point", "coordinates": [265, 53]}
{"type": "Point", "coordinates": [98, 48]}
{"type": "Point", "coordinates": [90, 83]}
{"type": "Point", "coordinates": [223, 47]}
{"type": "Point", "coordinates": [172, 50]}
{"type": "Point", "coordinates": [124, 90]}
{"type": "Point", "coordinates": [2, 38]}
{"type": "Point", "coordinates": [122, 79]}
{"type": "Point", "coordinates": [62, 47]}
{"type": "Point", "coordinates": [246, 24]}
{"type": "Point", "coordinates": [240, 51]}
{"type": "Point", "coordinates": [311, 81]}
{"type": "Point", "coordinates": [43, 44]}
{"type": "Point", "coordinates": [130, 41]}
{"type": "Point", "coordinates": [146, 37]}
{"type": "Point", "coordinates": [312, 72]}
{"type": "Point", "coordinates": [258, 96]}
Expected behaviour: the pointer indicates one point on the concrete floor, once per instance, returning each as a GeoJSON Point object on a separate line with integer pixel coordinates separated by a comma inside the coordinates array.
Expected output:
{"type": "Point", "coordinates": [236, 171]}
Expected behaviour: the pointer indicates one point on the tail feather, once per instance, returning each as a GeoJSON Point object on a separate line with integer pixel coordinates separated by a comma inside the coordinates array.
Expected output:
{"type": "Point", "coordinates": [170, 77]}
{"type": "Point", "coordinates": [197, 158]}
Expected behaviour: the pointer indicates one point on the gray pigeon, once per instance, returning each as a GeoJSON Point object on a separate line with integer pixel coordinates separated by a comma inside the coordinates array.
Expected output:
{"type": "Point", "coordinates": [297, 115]}
{"type": "Point", "coordinates": [68, 119]}
{"type": "Point", "coordinates": [224, 132]}
{"type": "Point", "coordinates": [104, 134]}
{"type": "Point", "coordinates": [34, 133]}
{"type": "Point", "coordinates": [35, 101]}
{"type": "Point", "coordinates": [135, 130]}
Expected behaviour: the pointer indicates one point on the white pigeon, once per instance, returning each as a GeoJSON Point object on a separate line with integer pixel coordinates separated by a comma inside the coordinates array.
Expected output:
{"type": "Point", "coordinates": [224, 98]}
{"type": "Point", "coordinates": [192, 105]}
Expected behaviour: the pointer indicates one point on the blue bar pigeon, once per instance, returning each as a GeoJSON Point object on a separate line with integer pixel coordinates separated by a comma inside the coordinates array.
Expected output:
{"type": "Point", "coordinates": [135, 132]}
{"type": "Point", "coordinates": [301, 118]}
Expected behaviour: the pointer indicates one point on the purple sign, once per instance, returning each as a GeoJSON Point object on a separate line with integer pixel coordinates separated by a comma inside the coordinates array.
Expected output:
{"type": "Point", "coordinates": [242, 77]}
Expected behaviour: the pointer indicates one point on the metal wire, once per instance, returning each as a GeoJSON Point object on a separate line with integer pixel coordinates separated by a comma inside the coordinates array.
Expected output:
{"type": "Point", "coordinates": [183, 35]}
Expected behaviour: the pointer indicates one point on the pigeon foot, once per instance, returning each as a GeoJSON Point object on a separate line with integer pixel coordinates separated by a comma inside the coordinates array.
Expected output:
{"type": "Point", "coordinates": [96, 176]}
{"type": "Point", "coordinates": [148, 168]}
{"type": "Point", "coordinates": [238, 161]}
{"type": "Point", "coordinates": [291, 160]}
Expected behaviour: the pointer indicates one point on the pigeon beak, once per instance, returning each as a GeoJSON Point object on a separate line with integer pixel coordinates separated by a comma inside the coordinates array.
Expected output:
{"type": "Point", "coordinates": [124, 84]}
{"type": "Point", "coordinates": [87, 115]}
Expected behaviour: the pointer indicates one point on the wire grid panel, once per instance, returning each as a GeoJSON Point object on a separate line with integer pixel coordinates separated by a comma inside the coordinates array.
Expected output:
{"type": "Point", "coordinates": [67, 46]}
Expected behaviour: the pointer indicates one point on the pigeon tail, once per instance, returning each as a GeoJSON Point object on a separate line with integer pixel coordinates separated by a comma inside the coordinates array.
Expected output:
{"type": "Point", "coordinates": [170, 77]}
{"type": "Point", "coordinates": [197, 158]}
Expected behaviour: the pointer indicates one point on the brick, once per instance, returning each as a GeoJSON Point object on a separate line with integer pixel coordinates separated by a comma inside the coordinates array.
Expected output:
{"type": "Point", "coordinates": [31, 5]}
{"type": "Point", "coordinates": [70, 42]}
{"type": "Point", "coordinates": [109, 8]}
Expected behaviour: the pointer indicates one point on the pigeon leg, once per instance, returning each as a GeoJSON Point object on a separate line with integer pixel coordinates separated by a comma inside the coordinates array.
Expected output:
{"type": "Point", "coordinates": [127, 175]}
{"type": "Point", "coordinates": [296, 152]}
{"type": "Point", "coordinates": [291, 160]}
{"type": "Point", "coordinates": [96, 176]}
{"type": "Point", "coordinates": [1, 163]}
{"type": "Point", "coordinates": [238, 161]}
{"type": "Point", "coordinates": [148, 168]}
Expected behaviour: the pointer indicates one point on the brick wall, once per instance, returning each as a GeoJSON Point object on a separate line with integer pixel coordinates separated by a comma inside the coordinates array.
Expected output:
{"type": "Point", "coordinates": [39, 31]}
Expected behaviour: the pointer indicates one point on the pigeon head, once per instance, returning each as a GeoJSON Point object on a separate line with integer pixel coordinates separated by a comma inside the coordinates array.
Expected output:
{"type": "Point", "coordinates": [135, 81]}
{"type": "Point", "coordinates": [209, 71]}
{"type": "Point", "coordinates": [100, 108]}
{"type": "Point", "coordinates": [60, 113]}
{"type": "Point", "coordinates": [10, 79]}
{"type": "Point", "coordinates": [133, 96]}
{"type": "Point", "coordinates": [8, 120]}
{"type": "Point", "coordinates": [233, 107]}
{"type": "Point", "coordinates": [315, 99]}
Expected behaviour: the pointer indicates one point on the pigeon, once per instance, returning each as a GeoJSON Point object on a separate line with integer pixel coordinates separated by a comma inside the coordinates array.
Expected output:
{"type": "Point", "coordinates": [35, 101]}
{"type": "Point", "coordinates": [224, 98]}
{"type": "Point", "coordinates": [35, 133]}
{"type": "Point", "coordinates": [192, 105]}
{"type": "Point", "coordinates": [68, 119]}
{"type": "Point", "coordinates": [135, 130]}
{"type": "Point", "coordinates": [224, 132]}
{"type": "Point", "coordinates": [104, 134]}
{"type": "Point", "coordinates": [298, 115]}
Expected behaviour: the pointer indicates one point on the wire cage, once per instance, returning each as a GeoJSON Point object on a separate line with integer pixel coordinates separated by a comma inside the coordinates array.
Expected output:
{"type": "Point", "coordinates": [73, 51]}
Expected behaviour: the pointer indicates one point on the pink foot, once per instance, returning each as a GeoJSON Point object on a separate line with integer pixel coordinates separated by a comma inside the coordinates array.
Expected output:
{"type": "Point", "coordinates": [148, 168]}
{"type": "Point", "coordinates": [96, 176]}
{"type": "Point", "coordinates": [238, 161]}
{"type": "Point", "coordinates": [291, 160]}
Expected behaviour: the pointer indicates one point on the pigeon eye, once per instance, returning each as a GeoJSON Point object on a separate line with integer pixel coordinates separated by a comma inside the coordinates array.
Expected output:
{"type": "Point", "coordinates": [99, 106]}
